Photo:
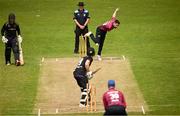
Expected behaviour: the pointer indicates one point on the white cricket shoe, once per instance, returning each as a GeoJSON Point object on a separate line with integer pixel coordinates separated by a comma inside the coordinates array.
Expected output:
{"type": "Point", "coordinates": [8, 64]}
{"type": "Point", "coordinates": [88, 34]}
{"type": "Point", "coordinates": [99, 58]}
{"type": "Point", "coordinates": [82, 105]}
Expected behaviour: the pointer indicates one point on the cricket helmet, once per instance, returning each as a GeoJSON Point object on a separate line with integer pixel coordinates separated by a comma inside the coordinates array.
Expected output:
{"type": "Point", "coordinates": [90, 51]}
{"type": "Point", "coordinates": [111, 83]}
{"type": "Point", "coordinates": [11, 17]}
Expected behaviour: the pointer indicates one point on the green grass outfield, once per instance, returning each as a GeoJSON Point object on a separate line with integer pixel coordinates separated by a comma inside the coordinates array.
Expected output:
{"type": "Point", "coordinates": [149, 36]}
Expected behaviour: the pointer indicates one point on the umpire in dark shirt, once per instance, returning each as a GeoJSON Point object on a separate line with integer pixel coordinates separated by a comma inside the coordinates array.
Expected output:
{"type": "Point", "coordinates": [81, 19]}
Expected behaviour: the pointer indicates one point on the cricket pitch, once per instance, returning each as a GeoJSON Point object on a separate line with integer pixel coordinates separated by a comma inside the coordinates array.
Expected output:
{"type": "Point", "coordinates": [58, 91]}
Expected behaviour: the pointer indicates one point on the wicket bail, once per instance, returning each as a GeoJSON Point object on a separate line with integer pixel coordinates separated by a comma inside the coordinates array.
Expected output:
{"type": "Point", "coordinates": [92, 105]}
{"type": "Point", "coordinates": [82, 46]}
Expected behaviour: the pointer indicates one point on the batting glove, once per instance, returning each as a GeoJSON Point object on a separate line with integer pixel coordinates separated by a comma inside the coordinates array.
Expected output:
{"type": "Point", "coordinates": [89, 75]}
{"type": "Point", "coordinates": [4, 40]}
{"type": "Point", "coordinates": [20, 39]}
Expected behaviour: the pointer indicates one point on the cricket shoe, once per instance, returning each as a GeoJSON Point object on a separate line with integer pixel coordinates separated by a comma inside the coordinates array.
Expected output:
{"type": "Point", "coordinates": [8, 63]}
{"type": "Point", "coordinates": [88, 34]}
{"type": "Point", "coordinates": [99, 58]}
{"type": "Point", "coordinates": [18, 63]}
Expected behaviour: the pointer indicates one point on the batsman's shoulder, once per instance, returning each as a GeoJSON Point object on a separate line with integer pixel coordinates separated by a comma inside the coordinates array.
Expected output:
{"type": "Point", "coordinates": [6, 23]}
{"type": "Point", "coordinates": [17, 23]}
{"type": "Point", "coordinates": [90, 58]}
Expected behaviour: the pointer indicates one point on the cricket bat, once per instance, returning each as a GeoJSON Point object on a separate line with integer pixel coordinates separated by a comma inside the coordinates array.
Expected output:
{"type": "Point", "coordinates": [21, 54]}
{"type": "Point", "coordinates": [96, 71]}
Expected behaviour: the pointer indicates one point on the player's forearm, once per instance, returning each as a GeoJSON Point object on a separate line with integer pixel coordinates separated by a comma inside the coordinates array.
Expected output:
{"type": "Point", "coordinates": [115, 12]}
{"type": "Point", "coordinates": [123, 101]}
{"type": "Point", "coordinates": [87, 21]}
{"type": "Point", "coordinates": [87, 68]}
{"type": "Point", "coordinates": [18, 31]}
{"type": "Point", "coordinates": [77, 23]}
{"type": "Point", "coordinates": [2, 32]}
{"type": "Point", "coordinates": [87, 63]}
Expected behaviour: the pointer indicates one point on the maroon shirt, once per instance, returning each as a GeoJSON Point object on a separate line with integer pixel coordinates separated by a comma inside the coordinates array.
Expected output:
{"type": "Point", "coordinates": [113, 98]}
{"type": "Point", "coordinates": [108, 26]}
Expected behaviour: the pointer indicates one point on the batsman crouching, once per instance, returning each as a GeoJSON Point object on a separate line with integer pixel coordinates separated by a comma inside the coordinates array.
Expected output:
{"type": "Point", "coordinates": [11, 37]}
{"type": "Point", "coordinates": [82, 74]}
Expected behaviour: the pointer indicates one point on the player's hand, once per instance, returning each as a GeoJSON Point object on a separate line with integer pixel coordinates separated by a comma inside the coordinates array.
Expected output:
{"type": "Point", "coordinates": [117, 9]}
{"type": "Point", "coordinates": [20, 39]}
{"type": "Point", "coordinates": [89, 75]}
{"type": "Point", "coordinates": [4, 40]}
{"type": "Point", "coordinates": [81, 27]}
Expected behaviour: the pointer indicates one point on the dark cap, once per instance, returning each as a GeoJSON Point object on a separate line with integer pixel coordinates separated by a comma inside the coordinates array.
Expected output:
{"type": "Point", "coordinates": [111, 83]}
{"type": "Point", "coordinates": [81, 4]}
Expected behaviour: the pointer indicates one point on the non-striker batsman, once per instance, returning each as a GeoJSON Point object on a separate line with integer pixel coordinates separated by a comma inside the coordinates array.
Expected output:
{"type": "Point", "coordinates": [11, 34]}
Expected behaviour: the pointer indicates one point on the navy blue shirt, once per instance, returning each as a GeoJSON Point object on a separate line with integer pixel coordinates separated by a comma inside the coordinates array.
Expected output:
{"type": "Point", "coordinates": [81, 69]}
{"type": "Point", "coordinates": [10, 30]}
{"type": "Point", "coordinates": [81, 16]}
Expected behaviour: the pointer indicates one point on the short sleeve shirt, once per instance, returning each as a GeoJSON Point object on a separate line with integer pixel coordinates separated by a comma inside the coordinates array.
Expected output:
{"type": "Point", "coordinates": [113, 98]}
{"type": "Point", "coordinates": [108, 26]}
{"type": "Point", "coordinates": [81, 16]}
{"type": "Point", "coordinates": [10, 30]}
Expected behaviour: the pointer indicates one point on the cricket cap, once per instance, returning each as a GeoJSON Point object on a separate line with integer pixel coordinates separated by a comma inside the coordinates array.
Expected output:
{"type": "Point", "coordinates": [111, 83]}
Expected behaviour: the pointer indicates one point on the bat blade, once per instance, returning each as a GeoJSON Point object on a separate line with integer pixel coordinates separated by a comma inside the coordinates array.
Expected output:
{"type": "Point", "coordinates": [94, 72]}
{"type": "Point", "coordinates": [21, 57]}
{"type": "Point", "coordinates": [21, 54]}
